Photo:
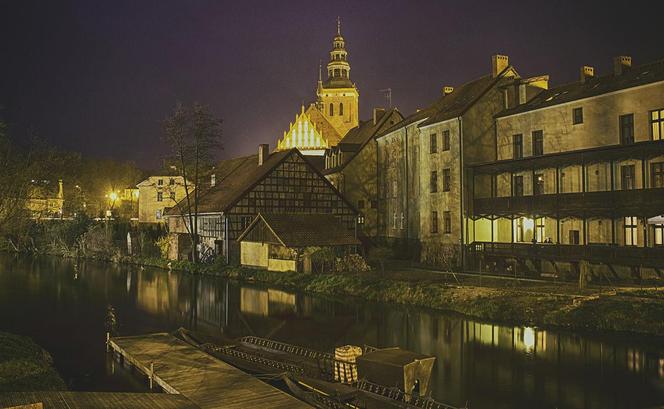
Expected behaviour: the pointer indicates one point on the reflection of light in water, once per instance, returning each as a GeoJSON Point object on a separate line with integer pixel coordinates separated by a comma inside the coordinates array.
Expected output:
{"type": "Point", "coordinates": [128, 282]}
{"type": "Point", "coordinates": [529, 338]}
{"type": "Point", "coordinates": [661, 367]}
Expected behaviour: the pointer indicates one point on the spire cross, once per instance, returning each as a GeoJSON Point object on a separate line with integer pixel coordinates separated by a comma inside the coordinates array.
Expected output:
{"type": "Point", "coordinates": [338, 25]}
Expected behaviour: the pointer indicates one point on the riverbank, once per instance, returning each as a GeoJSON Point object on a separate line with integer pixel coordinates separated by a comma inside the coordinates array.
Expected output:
{"type": "Point", "coordinates": [25, 366]}
{"type": "Point", "coordinates": [626, 310]}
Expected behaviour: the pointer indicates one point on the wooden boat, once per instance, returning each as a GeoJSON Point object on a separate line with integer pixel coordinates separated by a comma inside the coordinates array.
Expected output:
{"type": "Point", "coordinates": [378, 379]}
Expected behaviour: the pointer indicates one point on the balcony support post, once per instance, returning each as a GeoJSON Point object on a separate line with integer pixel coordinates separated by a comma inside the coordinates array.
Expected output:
{"type": "Point", "coordinates": [583, 176]}
{"type": "Point", "coordinates": [585, 229]}
{"type": "Point", "coordinates": [613, 229]}
{"type": "Point", "coordinates": [644, 173]}
{"type": "Point", "coordinates": [613, 182]}
{"type": "Point", "coordinates": [558, 229]}
{"type": "Point", "coordinates": [557, 179]}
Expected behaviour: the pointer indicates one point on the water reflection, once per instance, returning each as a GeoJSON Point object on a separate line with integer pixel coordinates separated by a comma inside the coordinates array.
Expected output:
{"type": "Point", "coordinates": [487, 365]}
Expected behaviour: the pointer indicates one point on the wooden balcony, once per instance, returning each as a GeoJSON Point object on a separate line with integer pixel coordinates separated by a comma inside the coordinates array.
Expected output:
{"type": "Point", "coordinates": [618, 203]}
{"type": "Point", "coordinates": [598, 253]}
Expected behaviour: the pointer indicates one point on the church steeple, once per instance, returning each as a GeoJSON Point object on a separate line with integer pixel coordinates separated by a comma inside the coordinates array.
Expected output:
{"type": "Point", "coordinates": [338, 68]}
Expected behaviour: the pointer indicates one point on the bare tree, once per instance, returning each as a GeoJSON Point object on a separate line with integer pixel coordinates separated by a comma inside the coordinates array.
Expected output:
{"type": "Point", "coordinates": [194, 137]}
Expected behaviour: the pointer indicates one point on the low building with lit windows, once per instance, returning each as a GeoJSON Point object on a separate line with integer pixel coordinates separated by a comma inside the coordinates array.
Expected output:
{"type": "Point", "coordinates": [578, 180]}
{"type": "Point", "coordinates": [281, 182]}
{"type": "Point", "coordinates": [156, 194]}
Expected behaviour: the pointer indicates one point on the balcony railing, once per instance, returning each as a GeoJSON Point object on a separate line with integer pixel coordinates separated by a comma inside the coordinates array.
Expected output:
{"type": "Point", "coordinates": [618, 203]}
{"type": "Point", "coordinates": [610, 254]}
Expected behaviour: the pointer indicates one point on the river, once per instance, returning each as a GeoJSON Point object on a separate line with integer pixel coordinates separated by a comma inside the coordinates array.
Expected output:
{"type": "Point", "coordinates": [62, 305]}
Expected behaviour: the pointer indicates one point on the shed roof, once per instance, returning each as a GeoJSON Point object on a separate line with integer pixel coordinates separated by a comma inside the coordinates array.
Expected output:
{"type": "Point", "coordinates": [305, 230]}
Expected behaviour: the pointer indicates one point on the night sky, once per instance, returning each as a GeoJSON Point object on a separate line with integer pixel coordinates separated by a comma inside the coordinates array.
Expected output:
{"type": "Point", "coordinates": [100, 76]}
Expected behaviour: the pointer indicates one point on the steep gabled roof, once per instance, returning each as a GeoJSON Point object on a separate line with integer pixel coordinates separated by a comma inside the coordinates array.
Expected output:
{"type": "Point", "coordinates": [305, 230]}
{"type": "Point", "coordinates": [328, 130]}
{"type": "Point", "coordinates": [640, 75]}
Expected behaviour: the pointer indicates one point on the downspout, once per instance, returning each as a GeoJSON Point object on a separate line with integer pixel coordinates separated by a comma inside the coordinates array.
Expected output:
{"type": "Point", "coordinates": [406, 186]}
{"type": "Point", "coordinates": [463, 192]}
{"type": "Point", "coordinates": [226, 239]}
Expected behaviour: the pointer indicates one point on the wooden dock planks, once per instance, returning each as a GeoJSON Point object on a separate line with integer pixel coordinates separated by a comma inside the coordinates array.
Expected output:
{"type": "Point", "coordinates": [205, 380]}
{"type": "Point", "coordinates": [96, 400]}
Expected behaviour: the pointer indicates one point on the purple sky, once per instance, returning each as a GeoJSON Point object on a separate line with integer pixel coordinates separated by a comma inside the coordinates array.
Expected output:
{"type": "Point", "coordinates": [100, 76]}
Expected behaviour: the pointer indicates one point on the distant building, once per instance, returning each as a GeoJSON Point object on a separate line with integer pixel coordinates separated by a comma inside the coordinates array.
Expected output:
{"type": "Point", "coordinates": [44, 200]}
{"type": "Point", "coordinates": [336, 110]}
{"type": "Point", "coordinates": [272, 183]}
{"type": "Point", "coordinates": [578, 177]}
{"type": "Point", "coordinates": [158, 193]}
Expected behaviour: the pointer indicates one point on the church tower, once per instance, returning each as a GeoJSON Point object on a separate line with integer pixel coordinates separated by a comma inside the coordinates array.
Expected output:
{"type": "Point", "coordinates": [337, 96]}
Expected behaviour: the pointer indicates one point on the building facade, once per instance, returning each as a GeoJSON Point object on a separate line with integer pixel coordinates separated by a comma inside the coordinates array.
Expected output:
{"type": "Point", "coordinates": [158, 193]}
{"type": "Point", "coordinates": [578, 182]}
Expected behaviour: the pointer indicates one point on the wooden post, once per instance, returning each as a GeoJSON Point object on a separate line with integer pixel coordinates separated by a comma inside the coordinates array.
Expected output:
{"type": "Point", "coordinates": [108, 341]}
{"type": "Point", "coordinates": [151, 374]}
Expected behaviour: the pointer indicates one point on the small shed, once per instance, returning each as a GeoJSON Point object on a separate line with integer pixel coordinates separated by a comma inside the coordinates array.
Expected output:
{"type": "Point", "coordinates": [277, 241]}
{"type": "Point", "coordinates": [407, 370]}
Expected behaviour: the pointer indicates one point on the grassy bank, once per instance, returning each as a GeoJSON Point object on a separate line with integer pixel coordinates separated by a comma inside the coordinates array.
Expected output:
{"type": "Point", "coordinates": [25, 366]}
{"type": "Point", "coordinates": [639, 311]}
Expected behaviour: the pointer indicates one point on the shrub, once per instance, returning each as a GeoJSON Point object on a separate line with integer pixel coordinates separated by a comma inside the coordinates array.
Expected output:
{"type": "Point", "coordinates": [352, 263]}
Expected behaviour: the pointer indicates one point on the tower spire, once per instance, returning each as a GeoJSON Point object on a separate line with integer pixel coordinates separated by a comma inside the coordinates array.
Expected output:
{"type": "Point", "coordinates": [338, 25]}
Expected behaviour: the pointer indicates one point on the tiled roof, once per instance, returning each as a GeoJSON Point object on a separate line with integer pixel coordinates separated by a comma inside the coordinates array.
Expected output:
{"type": "Point", "coordinates": [328, 131]}
{"type": "Point", "coordinates": [306, 230]}
{"type": "Point", "coordinates": [234, 178]}
{"type": "Point", "coordinates": [635, 76]}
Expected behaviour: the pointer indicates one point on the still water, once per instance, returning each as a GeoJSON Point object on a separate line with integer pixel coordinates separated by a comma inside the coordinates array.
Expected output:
{"type": "Point", "coordinates": [62, 305]}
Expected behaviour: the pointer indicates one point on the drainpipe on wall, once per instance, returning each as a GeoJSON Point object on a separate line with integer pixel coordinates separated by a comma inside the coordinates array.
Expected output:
{"type": "Point", "coordinates": [226, 246]}
{"type": "Point", "coordinates": [463, 192]}
{"type": "Point", "coordinates": [407, 218]}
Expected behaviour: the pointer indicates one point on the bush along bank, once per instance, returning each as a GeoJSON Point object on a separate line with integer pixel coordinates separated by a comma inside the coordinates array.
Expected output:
{"type": "Point", "coordinates": [607, 312]}
{"type": "Point", "coordinates": [25, 366]}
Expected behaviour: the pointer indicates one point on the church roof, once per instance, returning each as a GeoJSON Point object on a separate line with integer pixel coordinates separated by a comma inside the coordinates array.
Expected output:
{"type": "Point", "coordinates": [328, 130]}
{"type": "Point", "coordinates": [305, 230]}
{"type": "Point", "coordinates": [338, 82]}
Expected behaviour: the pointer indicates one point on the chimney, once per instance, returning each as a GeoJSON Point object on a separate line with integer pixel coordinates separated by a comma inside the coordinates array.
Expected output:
{"type": "Point", "coordinates": [213, 180]}
{"type": "Point", "coordinates": [498, 64]}
{"type": "Point", "coordinates": [377, 114]}
{"type": "Point", "coordinates": [263, 153]}
{"type": "Point", "coordinates": [621, 64]}
{"type": "Point", "coordinates": [523, 95]}
{"type": "Point", "coordinates": [586, 73]}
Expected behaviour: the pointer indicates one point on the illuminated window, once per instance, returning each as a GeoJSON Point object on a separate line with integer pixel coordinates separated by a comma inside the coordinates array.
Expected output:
{"type": "Point", "coordinates": [657, 174]}
{"type": "Point", "coordinates": [538, 186]}
{"type": "Point", "coordinates": [577, 116]}
{"type": "Point", "coordinates": [657, 125]}
{"type": "Point", "coordinates": [631, 232]}
{"type": "Point", "coordinates": [627, 178]}
{"type": "Point", "coordinates": [520, 230]}
{"type": "Point", "coordinates": [157, 214]}
{"type": "Point", "coordinates": [433, 143]}
{"type": "Point", "coordinates": [394, 220]}
{"type": "Point", "coordinates": [447, 181]}
{"type": "Point", "coordinates": [539, 229]}
{"type": "Point", "coordinates": [538, 143]}
{"type": "Point", "coordinates": [160, 196]}
{"type": "Point", "coordinates": [517, 146]}
{"type": "Point", "coordinates": [626, 129]}
{"type": "Point", "coordinates": [341, 108]}
{"type": "Point", "coordinates": [574, 237]}
{"type": "Point", "coordinates": [434, 222]}
{"type": "Point", "coordinates": [446, 140]}
{"type": "Point", "coordinates": [659, 235]}
{"type": "Point", "coordinates": [433, 181]}
{"type": "Point", "coordinates": [331, 109]}
{"type": "Point", "coordinates": [447, 222]}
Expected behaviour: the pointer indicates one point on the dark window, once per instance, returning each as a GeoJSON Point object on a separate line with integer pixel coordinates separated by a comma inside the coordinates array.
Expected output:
{"type": "Point", "coordinates": [657, 125]}
{"type": "Point", "coordinates": [577, 116]}
{"type": "Point", "coordinates": [517, 185]}
{"type": "Point", "coordinates": [434, 222]}
{"type": "Point", "coordinates": [171, 181]}
{"type": "Point", "coordinates": [657, 174]}
{"type": "Point", "coordinates": [517, 146]}
{"type": "Point", "coordinates": [433, 143]}
{"type": "Point", "coordinates": [627, 177]}
{"type": "Point", "coordinates": [447, 223]}
{"type": "Point", "coordinates": [538, 143]}
{"type": "Point", "coordinates": [574, 237]}
{"type": "Point", "coordinates": [434, 181]}
{"type": "Point", "coordinates": [160, 196]}
{"type": "Point", "coordinates": [160, 182]}
{"type": "Point", "coordinates": [538, 186]}
{"type": "Point", "coordinates": [341, 108]}
{"type": "Point", "coordinates": [374, 204]}
{"type": "Point", "coordinates": [331, 109]}
{"type": "Point", "coordinates": [360, 204]}
{"type": "Point", "coordinates": [446, 140]}
{"type": "Point", "coordinates": [446, 180]}
{"type": "Point", "coordinates": [627, 129]}
{"type": "Point", "coordinates": [172, 195]}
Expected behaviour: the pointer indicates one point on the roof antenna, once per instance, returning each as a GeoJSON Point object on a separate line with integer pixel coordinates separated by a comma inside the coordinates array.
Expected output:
{"type": "Point", "coordinates": [387, 93]}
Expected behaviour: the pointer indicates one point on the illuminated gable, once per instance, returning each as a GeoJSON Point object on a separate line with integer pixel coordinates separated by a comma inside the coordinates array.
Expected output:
{"type": "Point", "coordinates": [304, 136]}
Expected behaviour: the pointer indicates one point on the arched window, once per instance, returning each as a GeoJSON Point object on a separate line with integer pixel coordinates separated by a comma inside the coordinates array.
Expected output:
{"type": "Point", "coordinates": [341, 108]}
{"type": "Point", "coordinates": [331, 109]}
{"type": "Point", "coordinates": [336, 72]}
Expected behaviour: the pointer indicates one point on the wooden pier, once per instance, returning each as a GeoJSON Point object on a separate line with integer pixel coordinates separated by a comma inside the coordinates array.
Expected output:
{"type": "Point", "coordinates": [97, 400]}
{"type": "Point", "coordinates": [180, 368]}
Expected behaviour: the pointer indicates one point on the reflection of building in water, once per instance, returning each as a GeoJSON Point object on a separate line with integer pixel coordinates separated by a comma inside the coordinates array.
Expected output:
{"type": "Point", "coordinates": [266, 303]}
{"type": "Point", "coordinates": [157, 292]}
